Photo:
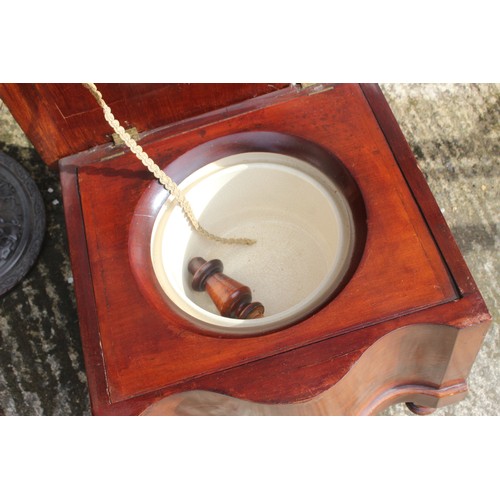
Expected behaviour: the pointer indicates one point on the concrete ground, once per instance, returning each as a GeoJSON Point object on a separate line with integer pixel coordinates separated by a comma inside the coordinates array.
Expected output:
{"type": "Point", "coordinates": [453, 130]}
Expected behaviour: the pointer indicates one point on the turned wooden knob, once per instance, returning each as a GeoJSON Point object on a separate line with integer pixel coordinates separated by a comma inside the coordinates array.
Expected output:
{"type": "Point", "coordinates": [232, 299]}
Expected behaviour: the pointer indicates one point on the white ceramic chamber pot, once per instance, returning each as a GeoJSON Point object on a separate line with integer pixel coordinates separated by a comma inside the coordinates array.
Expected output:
{"type": "Point", "coordinates": [300, 220]}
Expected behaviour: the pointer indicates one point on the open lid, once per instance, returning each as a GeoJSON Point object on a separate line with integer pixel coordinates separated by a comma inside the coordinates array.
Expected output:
{"type": "Point", "coordinates": [62, 119]}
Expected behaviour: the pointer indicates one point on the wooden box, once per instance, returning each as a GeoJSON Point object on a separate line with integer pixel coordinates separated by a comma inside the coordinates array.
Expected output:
{"type": "Point", "coordinates": [406, 324]}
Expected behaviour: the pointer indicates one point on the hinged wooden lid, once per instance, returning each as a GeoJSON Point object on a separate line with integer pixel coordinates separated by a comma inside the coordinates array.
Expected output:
{"type": "Point", "coordinates": [62, 119]}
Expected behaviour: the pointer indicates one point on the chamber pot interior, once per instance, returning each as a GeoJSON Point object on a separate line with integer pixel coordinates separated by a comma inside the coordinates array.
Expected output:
{"type": "Point", "coordinates": [302, 223]}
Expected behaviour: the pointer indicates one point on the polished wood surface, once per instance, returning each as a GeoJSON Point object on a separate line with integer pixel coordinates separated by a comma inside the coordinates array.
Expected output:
{"type": "Point", "coordinates": [232, 298]}
{"type": "Point", "coordinates": [413, 363]}
{"type": "Point", "coordinates": [153, 198]}
{"type": "Point", "coordinates": [405, 325]}
{"type": "Point", "coordinates": [62, 119]}
{"type": "Point", "coordinates": [411, 273]}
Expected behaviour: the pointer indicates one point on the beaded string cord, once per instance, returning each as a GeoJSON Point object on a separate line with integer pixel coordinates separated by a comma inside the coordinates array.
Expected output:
{"type": "Point", "coordinates": [163, 178]}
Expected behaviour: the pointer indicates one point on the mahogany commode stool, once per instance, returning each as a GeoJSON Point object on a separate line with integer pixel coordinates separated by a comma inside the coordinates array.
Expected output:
{"type": "Point", "coordinates": [376, 306]}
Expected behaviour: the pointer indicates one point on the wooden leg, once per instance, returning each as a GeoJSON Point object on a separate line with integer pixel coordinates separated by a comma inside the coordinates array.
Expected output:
{"type": "Point", "coordinates": [420, 410]}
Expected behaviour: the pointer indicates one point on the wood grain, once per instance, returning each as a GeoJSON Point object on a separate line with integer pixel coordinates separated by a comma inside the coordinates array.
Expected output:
{"type": "Point", "coordinates": [62, 119]}
{"type": "Point", "coordinates": [232, 298]}
{"type": "Point", "coordinates": [407, 364]}
{"type": "Point", "coordinates": [403, 276]}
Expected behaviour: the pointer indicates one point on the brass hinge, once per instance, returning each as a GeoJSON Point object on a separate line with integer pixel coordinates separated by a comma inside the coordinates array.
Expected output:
{"type": "Point", "coordinates": [131, 131]}
{"type": "Point", "coordinates": [314, 88]}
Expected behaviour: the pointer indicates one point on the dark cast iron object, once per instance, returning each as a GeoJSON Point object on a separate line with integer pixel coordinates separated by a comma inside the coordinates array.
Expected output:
{"type": "Point", "coordinates": [22, 222]}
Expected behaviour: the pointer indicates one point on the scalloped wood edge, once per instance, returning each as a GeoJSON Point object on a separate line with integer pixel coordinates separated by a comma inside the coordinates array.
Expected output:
{"type": "Point", "coordinates": [385, 374]}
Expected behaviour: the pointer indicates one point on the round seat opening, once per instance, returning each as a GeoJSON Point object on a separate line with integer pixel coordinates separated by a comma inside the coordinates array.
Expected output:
{"type": "Point", "coordinates": [302, 221]}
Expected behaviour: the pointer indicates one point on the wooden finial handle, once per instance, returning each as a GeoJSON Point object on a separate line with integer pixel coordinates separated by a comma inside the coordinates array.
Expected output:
{"type": "Point", "coordinates": [232, 299]}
